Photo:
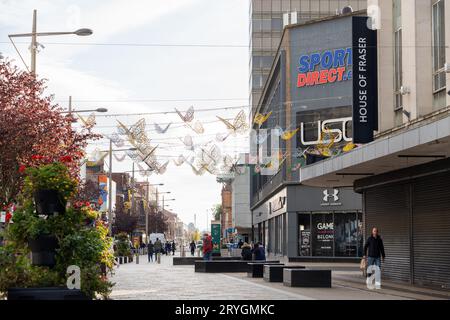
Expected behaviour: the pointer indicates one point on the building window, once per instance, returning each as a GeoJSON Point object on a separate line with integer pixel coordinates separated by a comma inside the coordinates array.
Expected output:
{"type": "Point", "coordinates": [398, 58]}
{"type": "Point", "coordinates": [438, 29]}
{"type": "Point", "coordinates": [330, 234]}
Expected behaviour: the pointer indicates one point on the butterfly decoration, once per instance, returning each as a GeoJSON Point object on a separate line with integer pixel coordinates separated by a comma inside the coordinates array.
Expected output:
{"type": "Point", "coordinates": [117, 140]}
{"type": "Point", "coordinates": [120, 158]}
{"type": "Point", "coordinates": [197, 172]}
{"type": "Point", "coordinates": [197, 127]}
{"type": "Point", "coordinates": [188, 116]}
{"type": "Point", "coordinates": [221, 137]}
{"type": "Point", "coordinates": [239, 124]}
{"type": "Point", "coordinates": [179, 161]}
{"type": "Point", "coordinates": [160, 130]}
{"type": "Point", "coordinates": [97, 156]}
{"type": "Point", "coordinates": [162, 168]}
{"type": "Point", "coordinates": [349, 147]}
{"type": "Point", "coordinates": [89, 122]}
{"type": "Point", "coordinates": [288, 135]}
{"type": "Point", "coordinates": [188, 142]}
{"type": "Point", "coordinates": [260, 118]}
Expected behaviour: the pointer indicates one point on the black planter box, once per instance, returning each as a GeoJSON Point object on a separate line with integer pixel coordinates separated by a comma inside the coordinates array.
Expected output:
{"type": "Point", "coordinates": [43, 250]}
{"type": "Point", "coordinates": [305, 278]}
{"type": "Point", "coordinates": [256, 270]}
{"type": "Point", "coordinates": [49, 202]}
{"type": "Point", "coordinates": [274, 273]}
{"type": "Point", "coordinates": [190, 261]}
{"type": "Point", "coordinates": [45, 294]}
{"type": "Point", "coordinates": [224, 266]}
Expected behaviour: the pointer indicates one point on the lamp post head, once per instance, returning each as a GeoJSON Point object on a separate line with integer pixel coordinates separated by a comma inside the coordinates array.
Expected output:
{"type": "Point", "coordinates": [101, 110]}
{"type": "Point", "coordinates": [83, 32]}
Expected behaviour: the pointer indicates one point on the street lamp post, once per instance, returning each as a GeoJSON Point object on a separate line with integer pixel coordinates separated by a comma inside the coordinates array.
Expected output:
{"type": "Point", "coordinates": [34, 34]}
{"type": "Point", "coordinates": [110, 183]}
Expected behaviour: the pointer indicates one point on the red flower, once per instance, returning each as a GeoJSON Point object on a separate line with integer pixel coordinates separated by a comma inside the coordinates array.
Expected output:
{"type": "Point", "coordinates": [22, 168]}
{"type": "Point", "coordinates": [65, 159]}
{"type": "Point", "coordinates": [36, 157]}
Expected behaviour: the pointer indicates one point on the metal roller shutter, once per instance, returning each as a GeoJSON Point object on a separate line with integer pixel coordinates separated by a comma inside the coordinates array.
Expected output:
{"type": "Point", "coordinates": [388, 209]}
{"type": "Point", "coordinates": [431, 231]}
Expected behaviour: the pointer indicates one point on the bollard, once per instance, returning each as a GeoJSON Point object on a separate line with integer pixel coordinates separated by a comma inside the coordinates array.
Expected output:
{"type": "Point", "coordinates": [137, 258]}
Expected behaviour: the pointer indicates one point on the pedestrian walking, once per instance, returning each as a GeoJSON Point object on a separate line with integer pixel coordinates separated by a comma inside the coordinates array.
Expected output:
{"type": "Point", "coordinates": [157, 247]}
{"type": "Point", "coordinates": [374, 249]}
{"type": "Point", "coordinates": [173, 247]}
{"type": "Point", "coordinates": [259, 252]}
{"type": "Point", "coordinates": [192, 246]}
{"type": "Point", "coordinates": [207, 247]}
{"type": "Point", "coordinates": [168, 248]}
{"type": "Point", "coordinates": [150, 251]}
{"type": "Point", "coordinates": [246, 252]}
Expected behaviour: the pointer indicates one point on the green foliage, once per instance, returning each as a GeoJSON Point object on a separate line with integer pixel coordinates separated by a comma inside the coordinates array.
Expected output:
{"type": "Point", "coordinates": [81, 244]}
{"type": "Point", "coordinates": [17, 271]}
{"type": "Point", "coordinates": [54, 176]}
{"type": "Point", "coordinates": [217, 211]}
{"type": "Point", "coordinates": [122, 245]}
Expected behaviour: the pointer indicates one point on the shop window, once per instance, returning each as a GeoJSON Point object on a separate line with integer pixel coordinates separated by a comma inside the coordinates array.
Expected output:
{"type": "Point", "coordinates": [304, 230]}
{"type": "Point", "coordinates": [346, 233]}
{"type": "Point", "coordinates": [322, 234]}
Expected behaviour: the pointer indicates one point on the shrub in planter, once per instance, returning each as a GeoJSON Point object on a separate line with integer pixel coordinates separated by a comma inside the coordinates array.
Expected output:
{"type": "Point", "coordinates": [50, 186]}
{"type": "Point", "coordinates": [73, 240]}
{"type": "Point", "coordinates": [122, 246]}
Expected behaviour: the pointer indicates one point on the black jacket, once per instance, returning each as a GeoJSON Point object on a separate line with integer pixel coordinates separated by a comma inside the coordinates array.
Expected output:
{"type": "Point", "coordinates": [246, 253]}
{"type": "Point", "coordinates": [375, 247]}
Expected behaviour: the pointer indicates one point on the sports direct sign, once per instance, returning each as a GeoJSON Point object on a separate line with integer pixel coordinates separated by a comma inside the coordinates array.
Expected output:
{"type": "Point", "coordinates": [325, 67]}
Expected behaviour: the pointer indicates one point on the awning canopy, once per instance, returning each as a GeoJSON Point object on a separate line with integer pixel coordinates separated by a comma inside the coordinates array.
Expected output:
{"type": "Point", "coordinates": [424, 142]}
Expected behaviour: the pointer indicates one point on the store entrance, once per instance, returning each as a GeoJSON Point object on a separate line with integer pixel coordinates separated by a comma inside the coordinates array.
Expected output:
{"type": "Point", "coordinates": [330, 234]}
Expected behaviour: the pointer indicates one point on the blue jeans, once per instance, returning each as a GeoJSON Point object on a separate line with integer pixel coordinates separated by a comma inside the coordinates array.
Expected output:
{"type": "Point", "coordinates": [374, 261]}
{"type": "Point", "coordinates": [207, 256]}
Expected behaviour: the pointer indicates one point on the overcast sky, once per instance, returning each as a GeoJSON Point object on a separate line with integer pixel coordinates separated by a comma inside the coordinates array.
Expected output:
{"type": "Point", "coordinates": [129, 78]}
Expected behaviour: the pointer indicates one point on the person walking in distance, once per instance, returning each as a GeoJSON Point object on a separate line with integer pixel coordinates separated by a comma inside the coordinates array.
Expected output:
{"type": "Point", "coordinates": [207, 247]}
{"type": "Point", "coordinates": [173, 247]}
{"type": "Point", "coordinates": [158, 246]}
{"type": "Point", "coordinates": [150, 251]}
{"type": "Point", "coordinates": [192, 246]}
{"type": "Point", "coordinates": [374, 249]}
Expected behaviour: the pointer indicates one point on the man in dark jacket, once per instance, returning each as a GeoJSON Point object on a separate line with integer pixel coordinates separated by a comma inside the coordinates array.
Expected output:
{"type": "Point", "coordinates": [374, 249]}
{"type": "Point", "coordinates": [259, 252]}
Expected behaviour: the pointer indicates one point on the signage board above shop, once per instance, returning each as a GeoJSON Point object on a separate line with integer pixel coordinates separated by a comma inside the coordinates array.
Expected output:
{"type": "Point", "coordinates": [365, 81]}
{"type": "Point", "coordinates": [334, 77]}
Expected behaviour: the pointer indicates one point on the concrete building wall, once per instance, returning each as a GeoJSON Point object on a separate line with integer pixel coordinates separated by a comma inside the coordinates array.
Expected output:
{"type": "Point", "coordinates": [417, 61]}
{"type": "Point", "coordinates": [241, 213]}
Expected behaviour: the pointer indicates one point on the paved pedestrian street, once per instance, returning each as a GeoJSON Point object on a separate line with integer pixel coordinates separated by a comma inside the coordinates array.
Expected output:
{"type": "Point", "coordinates": [151, 281]}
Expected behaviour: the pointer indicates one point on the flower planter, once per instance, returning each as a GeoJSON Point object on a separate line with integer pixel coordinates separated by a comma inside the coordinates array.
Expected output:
{"type": "Point", "coordinates": [43, 250]}
{"type": "Point", "coordinates": [49, 202]}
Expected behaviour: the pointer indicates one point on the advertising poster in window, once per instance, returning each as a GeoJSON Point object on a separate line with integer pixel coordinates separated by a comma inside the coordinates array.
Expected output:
{"type": "Point", "coordinates": [323, 234]}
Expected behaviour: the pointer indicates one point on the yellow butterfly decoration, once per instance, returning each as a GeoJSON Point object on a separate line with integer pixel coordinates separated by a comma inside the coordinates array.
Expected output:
{"type": "Point", "coordinates": [349, 147]}
{"type": "Point", "coordinates": [288, 135]}
{"type": "Point", "coordinates": [260, 118]}
{"type": "Point", "coordinates": [239, 124]}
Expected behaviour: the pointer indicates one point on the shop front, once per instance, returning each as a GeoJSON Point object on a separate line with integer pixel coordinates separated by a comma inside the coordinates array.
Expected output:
{"type": "Point", "coordinates": [303, 223]}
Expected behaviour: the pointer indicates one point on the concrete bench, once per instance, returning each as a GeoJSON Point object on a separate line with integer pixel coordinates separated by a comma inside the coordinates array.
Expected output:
{"type": "Point", "coordinates": [274, 273]}
{"type": "Point", "coordinates": [256, 269]}
{"type": "Point", "coordinates": [190, 261]}
{"type": "Point", "coordinates": [306, 278]}
{"type": "Point", "coordinates": [223, 266]}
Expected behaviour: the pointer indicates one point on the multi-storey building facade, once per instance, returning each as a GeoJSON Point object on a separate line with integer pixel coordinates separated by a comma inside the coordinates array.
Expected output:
{"type": "Point", "coordinates": [266, 28]}
{"type": "Point", "coordinates": [404, 175]}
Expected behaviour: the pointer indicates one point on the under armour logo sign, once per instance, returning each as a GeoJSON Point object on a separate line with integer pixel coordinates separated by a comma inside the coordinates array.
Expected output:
{"type": "Point", "coordinates": [327, 195]}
